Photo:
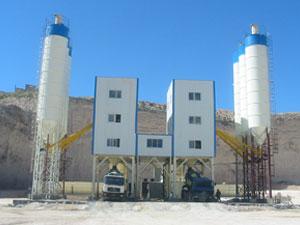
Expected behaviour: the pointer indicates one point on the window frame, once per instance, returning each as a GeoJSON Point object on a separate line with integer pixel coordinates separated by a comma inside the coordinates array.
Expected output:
{"type": "Point", "coordinates": [194, 96]}
{"type": "Point", "coordinates": [195, 120]}
{"type": "Point", "coordinates": [113, 142]}
{"type": "Point", "coordinates": [115, 94]}
{"type": "Point", "coordinates": [195, 144]}
{"type": "Point", "coordinates": [198, 144]}
{"type": "Point", "coordinates": [154, 143]}
{"type": "Point", "coordinates": [199, 96]}
{"type": "Point", "coordinates": [198, 120]}
{"type": "Point", "coordinates": [114, 118]}
{"type": "Point", "coordinates": [118, 94]}
{"type": "Point", "coordinates": [118, 118]}
{"type": "Point", "coordinates": [191, 144]}
{"type": "Point", "coordinates": [111, 118]}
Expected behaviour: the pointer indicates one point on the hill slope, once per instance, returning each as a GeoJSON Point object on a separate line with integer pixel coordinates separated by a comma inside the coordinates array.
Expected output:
{"type": "Point", "coordinates": [17, 116]}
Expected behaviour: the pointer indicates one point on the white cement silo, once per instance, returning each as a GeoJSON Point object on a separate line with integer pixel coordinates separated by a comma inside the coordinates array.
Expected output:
{"type": "Point", "coordinates": [243, 89]}
{"type": "Point", "coordinates": [52, 106]}
{"type": "Point", "coordinates": [258, 96]}
{"type": "Point", "coordinates": [236, 92]}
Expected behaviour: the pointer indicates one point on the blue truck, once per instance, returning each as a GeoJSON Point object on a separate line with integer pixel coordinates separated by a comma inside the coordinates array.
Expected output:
{"type": "Point", "coordinates": [197, 188]}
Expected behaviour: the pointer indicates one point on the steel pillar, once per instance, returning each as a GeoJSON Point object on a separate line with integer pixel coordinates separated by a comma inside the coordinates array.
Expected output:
{"type": "Point", "coordinates": [94, 177]}
{"type": "Point", "coordinates": [236, 176]}
{"type": "Point", "coordinates": [174, 178]}
{"type": "Point", "coordinates": [269, 163]}
{"type": "Point", "coordinates": [133, 177]}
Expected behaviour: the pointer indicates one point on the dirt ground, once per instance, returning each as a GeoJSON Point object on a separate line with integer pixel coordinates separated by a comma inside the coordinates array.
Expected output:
{"type": "Point", "coordinates": [139, 213]}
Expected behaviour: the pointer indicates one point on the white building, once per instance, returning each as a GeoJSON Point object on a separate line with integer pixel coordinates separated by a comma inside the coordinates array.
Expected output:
{"type": "Point", "coordinates": [189, 139]}
{"type": "Point", "coordinates": [115, 116]}
{"type": "Point", "coordinates": [191, 118]}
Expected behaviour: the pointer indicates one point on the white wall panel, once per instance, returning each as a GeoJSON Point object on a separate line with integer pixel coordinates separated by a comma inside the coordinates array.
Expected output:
{"type": "Point", "coordinates": [126, 106]}
{"type": "Point", "coordinates": [183, 108]}
{"type": "Point", "coordinates": [165, 151]}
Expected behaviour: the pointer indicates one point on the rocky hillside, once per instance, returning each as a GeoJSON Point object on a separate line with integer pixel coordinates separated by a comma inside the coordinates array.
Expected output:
{"type": "Point", "coordinates": [17, 116]}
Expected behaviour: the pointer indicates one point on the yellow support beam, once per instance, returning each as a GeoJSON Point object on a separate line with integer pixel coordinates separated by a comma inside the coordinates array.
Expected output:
{"type": "Point", "coordinates": [236, 145]}
{"type": "Point", "coordinates": [67, 140]}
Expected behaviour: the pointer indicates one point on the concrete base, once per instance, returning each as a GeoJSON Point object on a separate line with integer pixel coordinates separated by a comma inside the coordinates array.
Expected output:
{"type": "Point", "coordinates": [60, 201]}
{"type": "Point", "coordinates": [46, 197]}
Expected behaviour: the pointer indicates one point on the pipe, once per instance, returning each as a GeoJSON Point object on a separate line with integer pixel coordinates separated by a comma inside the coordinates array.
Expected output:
{"type": "Point", "coordinates": [254, 29]}
{"type": "Point", "coordinates": [57, 19]}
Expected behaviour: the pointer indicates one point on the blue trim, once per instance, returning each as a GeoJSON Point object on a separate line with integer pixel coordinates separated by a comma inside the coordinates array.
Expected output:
{"type": "Point", "coordinates": [136, 117]}
{"type": "Point", "coordinates": [235, 57]}
{"type": "Point", "coordinates": [57, 29]}
{"type": "Point", "coordinates": [70, 49]}
{"type": "Point", "coordinates": [193, 80]}
{"type": "Point", "coordinates": [94, 116]}
{"type": "Point", "coordinates": [173, 117]}
{"type": "Point", "coordinates": [241, 50]}
{"type": "Point", "coordinates": [60, 30]}
{"type": "Point", "coordinates": [215, 126]}
{"type": "Point", "coordinates": [256, 39]}
{"type": "Point", "coordinates": [149, 134]}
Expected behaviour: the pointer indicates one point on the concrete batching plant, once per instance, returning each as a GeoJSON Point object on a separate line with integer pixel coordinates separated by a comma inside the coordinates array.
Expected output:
{"type": "Point", "coordinates": [189, 140]}
{"type": "Point", "coordinates": [52, 108]}
{"type": "Point", "coordinates": [187, 145]}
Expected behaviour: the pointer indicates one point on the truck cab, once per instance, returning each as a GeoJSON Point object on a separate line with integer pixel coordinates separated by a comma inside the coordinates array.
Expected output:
{"type": "Point", "coordinates": [114, 185]}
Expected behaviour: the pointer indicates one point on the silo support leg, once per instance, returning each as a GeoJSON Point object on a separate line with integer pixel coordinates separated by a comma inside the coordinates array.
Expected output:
{"type": "Point", "coordinates": [133, 176]}
{"type": "Point", "coordinates": [174, 177]}
{"type": "Point", "coordinates": [212, 162]}
{"type": "Point", "coordinates": [94, 177]}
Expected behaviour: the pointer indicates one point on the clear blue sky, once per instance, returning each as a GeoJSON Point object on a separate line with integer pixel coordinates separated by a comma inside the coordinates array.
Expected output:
{"type": "Point", "coordinates": [155, 40]}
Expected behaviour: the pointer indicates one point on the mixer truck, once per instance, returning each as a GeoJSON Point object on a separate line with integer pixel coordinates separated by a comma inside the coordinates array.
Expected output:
{"type": "Point", "coordinates": [197, 188]}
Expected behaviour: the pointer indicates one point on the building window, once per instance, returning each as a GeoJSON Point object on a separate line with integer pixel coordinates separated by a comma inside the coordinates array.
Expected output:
{"type": "Point", "coordinates": [111, 118]}
{"type": "Point", "coordinates": [118, 118]}
{"type": "Point", "coordinates": [115, 94]}
{"type": "Point", "coordinates": [154, 143]}
{"type": "Point", "coordinates": [114, 118]}
{"type": "Point", "coordinates": [195, 96]}
{"type": "Point", "coordinates": [195, 144]}
{"type": "Point", "coordinates": [113, 142]}
{"type": "Point", "coordinates": [194, 119]}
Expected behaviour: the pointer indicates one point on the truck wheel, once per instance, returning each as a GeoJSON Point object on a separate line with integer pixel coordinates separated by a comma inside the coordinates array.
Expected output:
{"type": "Point", "coordinates": [203, 197]}
{"type": "Point", "coordinates": [206, 197]}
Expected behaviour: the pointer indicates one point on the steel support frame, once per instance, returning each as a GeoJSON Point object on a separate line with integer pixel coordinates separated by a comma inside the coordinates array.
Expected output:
{"type": "Point", "coordinates": [254, 180]}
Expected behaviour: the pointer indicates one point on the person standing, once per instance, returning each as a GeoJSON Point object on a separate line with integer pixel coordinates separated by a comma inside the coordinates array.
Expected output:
{"type": "Point", "coordinates": [218, 195]}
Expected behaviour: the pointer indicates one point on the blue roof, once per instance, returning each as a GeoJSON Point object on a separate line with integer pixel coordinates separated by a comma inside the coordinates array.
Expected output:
{"type": "Point", "coordinates": [60, 30]}
{"type": "Point", "coordinates": [57, 29]}
{"type": "Point", "coordinates": [241, 50]}
{"type": "Point", "coordinates": [256, 39]}
{"type": "Point", "coordinates": [235, 57]}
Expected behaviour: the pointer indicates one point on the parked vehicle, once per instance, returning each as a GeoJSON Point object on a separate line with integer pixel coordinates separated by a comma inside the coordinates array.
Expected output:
{"type": "Point", "coordinates": [114, 185]}
{"type": "Point", "coordinates": [197, 188]}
